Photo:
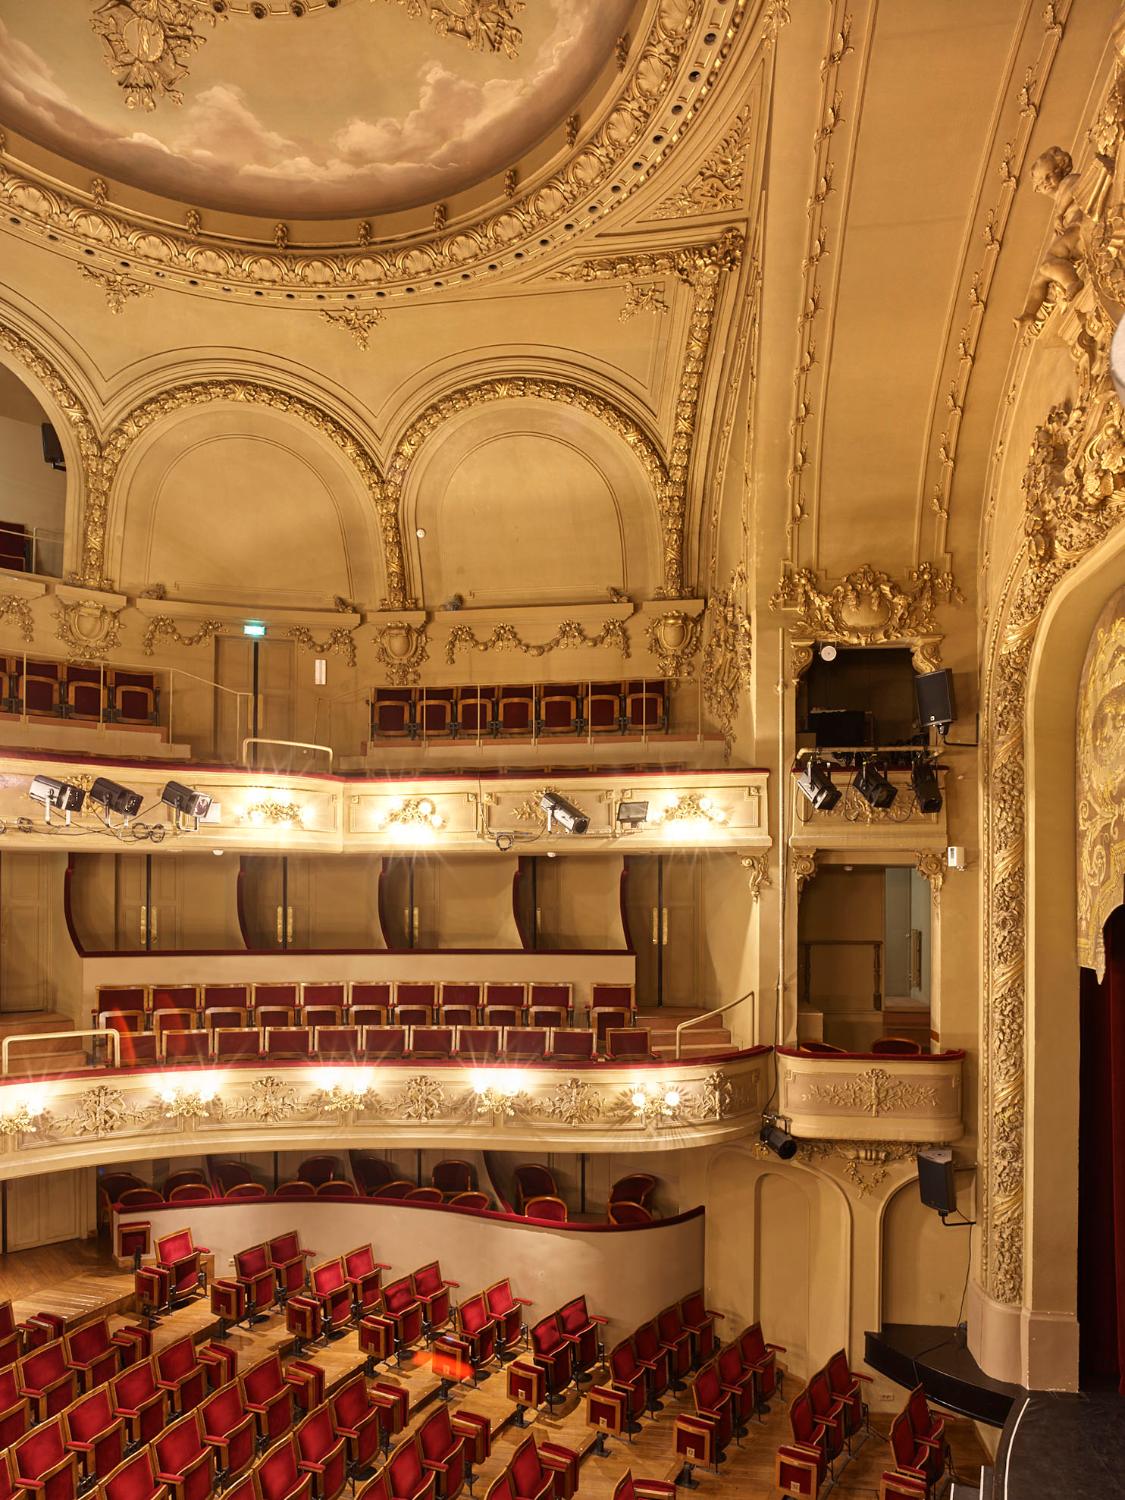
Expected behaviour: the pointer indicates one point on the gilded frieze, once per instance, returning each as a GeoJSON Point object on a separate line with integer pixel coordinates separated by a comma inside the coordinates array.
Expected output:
{"type": "Point", "coordinates": [1101, 783]}
{"type": "Point", "coordinates": [727, 655]}
{"type": "Point", "coordinates": [569, 636]}
{"type": "Point", "coordinates": [339, 642]}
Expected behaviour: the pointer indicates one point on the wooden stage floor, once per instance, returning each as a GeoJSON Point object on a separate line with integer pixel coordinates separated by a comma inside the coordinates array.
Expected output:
{"type": "Point", "coordinates": [78, 1279]}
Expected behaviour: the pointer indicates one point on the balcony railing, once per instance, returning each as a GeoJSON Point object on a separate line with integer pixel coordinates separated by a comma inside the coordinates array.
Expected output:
{"type": "Point", "coordinates": [870, 1096]}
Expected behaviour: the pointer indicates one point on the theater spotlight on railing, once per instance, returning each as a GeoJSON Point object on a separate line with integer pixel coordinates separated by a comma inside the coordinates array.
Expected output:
{"type": "Point", "coordinates": [186, 803]}
{"type": "Point", "coordinates": [116, 798]}
{"type": "Point", "coordinates": [815, 781]}
{"type": "Point", "coordinates": [778, 1140]}
{"type": "Point", "coordinates": [873, 784]}
{"type": "Point", "coordinates": [64, 796]}
{"type": "Point", "coordinates": [564, 813]}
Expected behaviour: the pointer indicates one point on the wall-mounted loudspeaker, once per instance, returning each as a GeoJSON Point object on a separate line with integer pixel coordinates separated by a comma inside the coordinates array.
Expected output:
{"type": "Point", "coordinates": [933, 692]}
{"type": "Point", "coordinates": [935, 1180]}
{"type": "Point", "coordinates": [52, 448]}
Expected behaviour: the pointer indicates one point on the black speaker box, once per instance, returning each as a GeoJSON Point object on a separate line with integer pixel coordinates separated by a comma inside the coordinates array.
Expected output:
{"type": "Point", "coordinates": [933, 692]}
{"type": "Point", "coordinates": [935, 1180]}
{"type": "Point", "coordinates": [52, 448]}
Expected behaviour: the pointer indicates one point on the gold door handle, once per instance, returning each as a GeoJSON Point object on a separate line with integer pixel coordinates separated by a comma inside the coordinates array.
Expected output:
{"type": "Point", "coordinates": [155, 921]}
{"type": "Point", "coordinates": [289, 924]}
{"type": "Point", "coordinates": [664, 927]}
{"type": "Point", "coordinates": [279, 925]}
{"type": "Point", "coordinates": [414, 925]}
{"type": "Point", "coordinates": [538, 916]}
{"type": "Point", "coordinates": [144, 922]}
{"type": "Point", "coordinates": [655, 926]}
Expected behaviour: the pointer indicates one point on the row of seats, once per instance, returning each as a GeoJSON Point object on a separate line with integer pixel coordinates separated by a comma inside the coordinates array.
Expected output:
{"type": "Point", "coordinates": [519, 711]}
{"type": "Point", "coordinates": [824, 1419]}
{"type": "Point", "coordinates": [919, 1452]}
{"type": "Point", "coordinates": [67, 690]}
{"type": "Point", "coordinates": [884, 1046]}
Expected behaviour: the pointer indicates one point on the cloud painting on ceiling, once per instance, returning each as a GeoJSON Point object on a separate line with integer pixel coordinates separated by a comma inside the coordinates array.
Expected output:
{"type": "Point", "coordinates": [359, 109]}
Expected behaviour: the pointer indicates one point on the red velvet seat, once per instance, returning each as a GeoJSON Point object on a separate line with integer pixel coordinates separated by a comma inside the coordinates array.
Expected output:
{"type": "Point", "coordinates": [140, 1400]}
{"type": "Point", "coordinates": [395, 1190]}
{"type": "Point", "coordinates": [637, 1187]}
{"type": "Point", "coordinates": [584, 1334]}
{"type": "Point", "coordinates": [476, 712]}
{"type": "Point", "coordinates": [533, 1180]}
{"type": "Point", "coordinates": [122, 997]}
{"type": "Point", "coordinates": [383, 1043]}
{"type": "Point", "coordinates": [443, 1453]}
{"type": "Point", "coordinates": [529, 1477]}
{"type": "Point", "coordinates": [699, 1321]}
{"type": "Point", "coordinates": [325, 992]}
{"type": "Point", "coordinates": [477, 1328]}
{"type": "Point", "coordinates": [628, 1488]}
{"type": "Point", "coordinates": [229, 1430]}
{"type": "Point", "coordinates": [42, 1465]}
{"type": "Point", "coordinates": [626, 1214]}
{"type": "Point", "coordinates": [332, 1289]}
{"type": "Point", "coordinates": [369, 992]}
{"type": "Point", "coordinates": [239, 1045]}
{"type": "Point", "coordinates": [896, 1046]}
{"type": "Point", "coordinates": [140, 1197]}
{"type": "Point", "coordinates": [46, 1379]}
{"type": "Point", "coordinates": [135, 1479]}
{"type": "Point", "coordinates": [365, 1274]}
{"type": "Point", "coordinates": [268, 1395]}
{"type": "Point", "coordinates": [295, 1189]}
{"type": "Point", "coordinates": [414, 1002]}
{"type": "Point", "coordinates": [629, 1044]}
{"type": "Point", "coordinates": [135, 697]}
{"type": "Point", "coordinates": [280, 1476]}
{"type": "Point", "coordinates": [525, 1043]}
{"type": "Point", "coordinates": [314, 1015]}
{"type": "Point", "coordinates": [553, 1210]}
{"type": "Point", "coordinates": [504, 995]}
{"type": "Point", "coordinates": [515, 710]}
{"type": "Point", "coordinates": [392, 713]}
{"type": "Point", "coordinates": [560, 708]}
{"type": "Point", "coordinates": [712, 1401]}
{"type": "Point", "coordinates": [655, 1360]}
{"type": "Point", "coordinates": [280, 996]}
{"type": "Point", "coordinates": [828, 1413]}
{"type": "Point", "coordinates": [178, 1254]}
{"type": "Point", "coordinates": [318, 1169]}
{"type": "Point", "coordinates": [288, 1259]}
{"type": "Point", "coordinates": [95, 1432]}
{"type": "Point", "coordinates": [190, 1192]}
{"type": "Point", "coordinates": [254, 1270]}
{"type": "Point", "coordinates": [928, 1432]}
{"type": "Point", "coordinates": [184, 1462]}
{"type": "Point", "coordinates": [337, 1189]}
{"type": "Point", "coordinates": [845, 1386]}
{"type": "Point", "coordinates": [186, 1175]}
{"type": "Point", "coordinates": [629, 1375]}
{"type": "Point", "coordinates": [553, 1353]}
{"type": "Point", "coordinates": [424, 1195]}
{"type": "Point", "coordinates": [507, 1310]}
{"type": "Point", "coordinates": [431, 1041]}
{"type": "Point", "coordinates": [184, 1046]}
{"type": "Point", "coordinates": [360, 1420]}
{"type": "Point", "coordinates": [371, 1171]}
{"type": "Point", "coordinates": [225, 997]}
{"type": "Point", "coordinates": [476, 1201]}
{"type": "Point", "coordinates": [432, 1291]}
{"type": "Point", "coordinates": [433, 711]}
{"type": "Point", "coordinates": [407, 1475]}
{"type": "Point", "coordinates": [180, 1372]}
{"type": "Point", "coordinates": [15, 1408]}
{"type": "Point", "coordinates": [323, 1453]}
{"type": "Point", "coordinates": [459, 1003]}
{"type": "Point", "coordinates": [504, 1016]}
{"type": "Point", "coordinates": [288, 1043]}
{"type": "Point", "coordinates": [572, 1045]}
{"type": "Point", "coordinates": [913, 1457]}
{"type": "Point", "coordinates": [477, 1045]}
{"type": "Point", "coordinates": [338, 1043]}
{"type": "Point", "coordinates": [550, 1005]}
{"type": "Point", "coordinates": [451, 1176]}
{"type": "Point", "coordinates": [738, 1379]}
{"type": "Point", "coordinates": [405, 1312]}
{"type": "Point", "coordinates": [95, 1353]}
{"type": "Point", "coordinates": [173, 997]}
{"type": "Point", "coordinates": [9, 1333]}
{"type": "Point", "coordinates": [760, 1357]}
{"type": "Point", "coordinates": [802, 1464]}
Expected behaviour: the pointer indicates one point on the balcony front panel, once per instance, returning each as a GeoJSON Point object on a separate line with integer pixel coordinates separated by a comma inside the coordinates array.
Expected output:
{"type": "Point", "coordinates": [854, 823]}
{"type": "Point", "coordinates": [871, 1096]}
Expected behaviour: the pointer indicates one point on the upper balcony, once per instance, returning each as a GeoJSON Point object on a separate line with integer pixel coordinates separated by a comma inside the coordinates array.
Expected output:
{"type": "Point", "coordinates": [870, 1096]}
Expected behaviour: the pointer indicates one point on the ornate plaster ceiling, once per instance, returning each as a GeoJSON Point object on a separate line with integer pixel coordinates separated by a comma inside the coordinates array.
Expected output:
{"type": "Point", "coordinates": [273, 116]}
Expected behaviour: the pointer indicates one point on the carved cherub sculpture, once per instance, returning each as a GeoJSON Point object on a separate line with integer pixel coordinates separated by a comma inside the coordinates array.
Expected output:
{"type": "Point", "coordinates": [1077, 196]}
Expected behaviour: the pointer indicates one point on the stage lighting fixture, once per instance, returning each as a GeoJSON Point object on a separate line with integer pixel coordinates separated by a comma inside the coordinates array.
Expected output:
{"type": "Point", "coordinates": [632, 814]}
{"type": "Point", "coordinates": [816, 783]}
{"type": "Point", "coordinates": [872, 785]}
{"type": "Point", "coordinates": [115, 798]}
{"type": "Point", "coordinates": [62, 795]}
{"type": "Point", "coordinates": [927, 792]}
{"type": "Point", "coordinates": [181, 799]}
{"type": "Point", "coordinates": [560, 811]}
{"type": "Point", "coordinates": [779, 1141]}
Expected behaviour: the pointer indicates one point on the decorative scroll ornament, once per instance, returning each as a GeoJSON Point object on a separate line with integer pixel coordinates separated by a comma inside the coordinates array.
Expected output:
{"type": "Point", "coordinates": [875, 1091]}
{"type": "Point", "coordinates": [11, 605]}
{"type": "Point", "coordinates": [161, 626]}
{"type": "Point", "coordinates": [413, 812]}
{"type": "Point", "coordinates": [673, 638]}
{"type": "Point", "coordinates": [339, 641]}
{"type": "Point", "coordinates": [725, 669]}
{"type": "Point", "coordinates": [118, 289]}
{"type": "Point", "coordinates": [931, 867]}
{"type": "Point", "coordinates": [103, 1110]}
{"type": "Point", "coordinates": [89, 630]}
{"type": "Point", "coordinates": [277, 814]}
{"type": "Point", "coordinates": [339, 1101]}
{"type": "Point", "coordinates": [718, 185]}
{"type": "Point", "coordinates": [359, 322]}
{"type": "Point", "coordinates": [641, 299]}
{"type": "Point", "coordinates": [1101, 783]}
{"type": "Point", "coordinates": [865, 1164]}
{"type": "Point", "coordinates": [803, 866]}
{"type": "Point", "coordinates": [402, 649]}
{"type": "Point", "coordinates": [571, 1103]}
{"type": "Point", "coordinates": [689, 807]}
{"type": "Point", "coordinates": [422, 1099]}
{"type": "Point", "coordinates": [569, 636]}
{"type": "Point", "coordinates": [757, 867]}
{"type": "Point", "coordinates": [867, 607]}
{"type": "Point", "coordinates": [268, 1101]}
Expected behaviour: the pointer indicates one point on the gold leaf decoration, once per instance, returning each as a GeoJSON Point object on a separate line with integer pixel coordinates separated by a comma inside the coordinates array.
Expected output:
{"type": "Point", "coordinates": [569, 635]}
{"type": "Point", "coordinates": [161, 626]}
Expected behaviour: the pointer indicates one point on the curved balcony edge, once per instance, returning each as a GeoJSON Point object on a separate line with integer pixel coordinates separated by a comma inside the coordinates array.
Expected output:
{"type": "Point", "coordinates": [871, 1096]}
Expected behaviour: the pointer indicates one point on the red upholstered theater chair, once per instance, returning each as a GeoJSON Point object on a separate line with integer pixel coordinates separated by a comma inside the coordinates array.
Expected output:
{"type": "Point", "coordinates": [137, 1047]}
{"type": "Point", "coordinates": [478, 1202]}
{"type": "Point", "coordinates": [761, 1357]}
{"type": "Point", "coordinates": [551, 1210]}
{"type": "Point", "coordinates": [139, 1197]}
{"type": "Point", "coordinates": [41, 684]}
{"type": "Point", "coordinates": [896, 1046]}
{"type": "Point", "coordinates": [384, 1044]}
{"type": "Point", "coordinates": [504, 1004]}
{"type": "Point", "coordinates": [443, 1453]}
{"type": "Point", "coordinates": [95, 1353]}
{"type": "Point", "coordinates": [627, 1374]}
{"type": "Point", "coordinates": [95, 1432]}
{"type": "Point", "coordinates": [525, 1043]}
{"type": "Point", "coordinates": [47, 1380]}
{"type": "Point", "coordinates": [605, 712]}
{"type": "Point", "coordinates": [625, 1214]}
{"type": "Point", "coordinates": [229, 1430]}
{"type": "Point", "coordinates": [526, 1386]}
{"type": "Point", "coordinates": [628, 1044]}
{"type": "Point", "coordinates": [84, 695]}
{"type": "Point", "coordinates": [254, 1270]}
{"type": "Point", "coordinates": [295, 1190]}
{"type": "Point", "coordinates": [244, 1488]}
{"type": "Point", "coordinates": [190, 1192]}
{"type": "Point", "coordinates": [228, 1303]}
{"type": "Point", "coordinates": [173, 998]}
{"type": "Point", "coordinates": [711, 1400]}
{"type": "Point", "coordinates": [338, 1043]}
{"type": "Point", "coordinates": [927, 1430]}
{"type": "Point", "coordinates": [42, 1465]}
{"type": "Point", "coordinates": [187, 1176]}
{"type": "Point", "coordinates": [407, 1475]}
{"type": "Point", "coordinates": [280, 1476]}
{"type": "Point", "coordinates": [736, 1378]}
{"type": "Point", "coordinates": [434, 712]}
{"type": "Point", "coordinates": [533, 1180]}
{"type": "Point", "coordinates": [846, 1388]}
{"type": "Point", "coordinates": [583, 1329]}
{"type": "Point", "coordinates": [234, 1046]}
{"type": "Point", "coordinates": [281, 998]}
{"type": "Point", "coordinates": [323, 1453]}
{"type": "Point", "coordinates": [560, 708]}
{"type": "Point", "coordinates": [182, 1258]}
{"type": "Point", "coordinates": [646, 707]}
{"type": "Point", "coordinates": [432, 1290]}
{"type": "Point", "coordinates": [359, 1420]}
{"type": "Point", "coordinates": [477, 1330]}
{"type": "Point", "coordinates": [459, 1003]}
{"type": "Point", "coordinates": [184, 1462]}
{"type": "Point", "coordinates": [288, 1259]}
{"type": "Point", "coordinates": [572, 1046]}
{"type": "Point", "coordinates": [140, 1400]}
{"type": "Point", "coordinates": [406, 1313]}
{"type": "Point", "coordinates": [365, 1274]}
{"type": "Point", "coordinates": [452, 1176]}
{"type": "Point", "coordinates": [915, 1460]}
{"type": "Point", "coordinates": [135, 1479]}
{"type": "Point", "coordinates": [803, 1463]}
{"type": "Point", "coordinates": [476, 712]}
{"type": "Point", "coordinates": [695, 1443]}
{"type": "Point", "coordinates": [226, 998]}
{"type": "Point", "coordinates": [332, 993]}
{"type": "Point", "coordinates": [628, 1488]}
{"type": "Point", "coordinates": [318, 1169]}
{"type": "Point", "coordinates": [329, 1284]}
{"type": "Point", "coordinates": [268, 1396]}
{"type": "Point", "coordinates": [165, 1022]}
{"type": "Point", "coordinates": [121, 999]}
{"type": "Point", "coordinates": [550, 1005]}
{"type": "Point", "coordinates": [370, 1171]}
{"type": "Point", "coordinates": [9, 1335]}
{"type": "Point", "coordinates": [304, 1318]}
{"type": "Point", "coordinates": [414, 1003]}
{"type": "Point", "coordinates": [181, 1373]}
{"type": "Point", "coordinates": [392, 714]}
{"type": "Point", "coordinates": [337, 1189]}
{"type": "Point", "coordinates": [15, 1408]}
{"type": "Point", "coordinates": [829, 1414]}
{"type": "Point", "coordinates": [515, 710]}
{"type": "Point", "coordinates": [507, 1310]}
{"type": "Point", "coordinates": [530, 1477]}
{"type": "Point", "coordinates": [134, 697]}
{"type": "Point", "coordinates": [424, 1195]}
{"type": "Point", "coordinates": [288, 1043]}
{"type": "Point", "coordinates": [433, 1042]}
{"type": "Point", "coordinates": [699, 1320]}
{"type": "Point", "coordinates": [378, 1487]}
{"type": "Point", "coordinates": [553, 1352]}
{"type": "Point", "coordinates": [477, 1045]}
{"type": "Point", "coordinates": [392, 1191]}
{"type": "Point", "coordinates": [636, 1188]}
{"type": "Point", "coordinates": [655, 1360]}
{"type": "Point", "coordinates": [369, 1001]}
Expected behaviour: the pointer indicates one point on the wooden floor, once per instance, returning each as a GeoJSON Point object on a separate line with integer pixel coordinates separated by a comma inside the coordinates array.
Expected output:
{"type": "Point", "coordinates": [79, 1279]}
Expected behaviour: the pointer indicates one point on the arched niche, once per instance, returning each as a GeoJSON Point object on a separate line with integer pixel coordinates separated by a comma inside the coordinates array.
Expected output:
{"type": "Point", "coordinates": [924, 1263]}
{"type": "Point", "coordinates": [530, 502]}
{"type": "Point", "coordinates": [242, 504]}
{"type": "Point", "coordinates": [35, 492]}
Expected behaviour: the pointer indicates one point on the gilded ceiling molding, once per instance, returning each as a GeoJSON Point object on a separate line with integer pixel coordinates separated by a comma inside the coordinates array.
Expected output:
{"type": "Point", "coordinates": [727, 655]}
{"type": "Point", "coordinates": [88, 629]}
{"type": "Point", "coordinates": [118, 289]}
{"type": "Point", "coordinates": [699, 267]}
{"type": "Point", "coordinates": [340, 641]}
{"type": "Point", "coordinates": [249, 393]}
{"type": "Point", "coordinates": [641, 299]}
{"type": "Point", "coordinates": [668, 492]}
{"type": "Point", "coordinates": [829, 116]}
{"type": "Point", "coordinates": [161, 626]}
{"type": "Point", "coordinates": [568, 636]}
{"type": "Point", "coordinates": [18, 609]}
{"type": "Point", "coordinates": [402, 648]}
{"type": "Point", "coordinates": [1101, 784]}
{"type": "Point", "coordinates": [1012, 159]}
{"type": "Point", "coordinates": [1074, 495]}
{"type": "Point", "coordinates": [718, 185]}
{"type": "Point", "coordinates": [359, 322]}
{"type": "Point", "coordinates": [865, 1164]}
{"type": "Point", "coordinates": [190, 259]}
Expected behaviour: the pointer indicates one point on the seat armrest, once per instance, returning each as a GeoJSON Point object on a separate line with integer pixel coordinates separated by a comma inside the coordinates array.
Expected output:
{"type": "Point", "coordinates": [654, 1489]}
{"type": "Point", "coordinates": [783, 1349]}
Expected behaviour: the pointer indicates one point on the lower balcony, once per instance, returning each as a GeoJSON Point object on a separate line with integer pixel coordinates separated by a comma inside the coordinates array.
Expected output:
{"type": "Point", "coordinates": [869, 1096]}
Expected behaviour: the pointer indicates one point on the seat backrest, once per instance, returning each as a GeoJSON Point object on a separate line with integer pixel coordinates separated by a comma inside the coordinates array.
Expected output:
{"type": "Point", "coordinates": [553, 1209]}
{"type": "Point", "coordinates": [693, 1309]}
{"type": "Point", "coordinates": [360, 1261]}
{"type": "Point", "coordinates": [278, 1471]}
{"type": "Point", "coordinates": [526, 1468]}
{"type": "Point", "coordinates": [252, 1262]}
{"type": "Point", "coordinates": [350, 1402]}
{"type": "Point", "coordinates": [87, 1342]}
{"type": "Point", "coordinates": [179, 1444]}
{"type": "Point", "coordinates": [573, 1315]}
{"type": "Point", "coordinates": [918, 1412]}
{"type": "Point", "coordinates": [315, 1433]}
{"type": "Point", "coordinates": [263, 1380]}
{"type": "Point", "coordinates": [730, 1364]}
{"type": "Point", "coordinates": [43, 1365]}
{"type": "Point", "coordinates": [40, 1449]}
{"type": "Point", "coordinates": [174, 1246]}
{"type": "Point", "coordinates": [222, 1410]}
{"type": "Point", "coordinates": [295, 1190]}
{"type": "Point", "coordinates": [632, 1189]}
{"type": "Point", "coordinates": [647, 1341]}
{"type": "Point", "coordinates": [176, 1359]}
{"type": "Point", "coordinates": [190, 1192]}
{"type": "Point", "coordinates": [337, 1189]}
{"type": "Point", "coordinates": [404, 1467]}
{"type": "Point", "coordinates": [669, 1323]}
{"type": "Point", "coordinates": [623, 1360]}
{"type": "Point", "coordinates": [546, 1336]}
{"type": "Point", "coordinates": [707, 1387]}
{"type": "Point", "coordinates": [902, 1441]}
{"type": "Point", "coordinates": [534, 1180]}
{"type": "Point", "coordinates": [628, 1213]}
{"type": "Point", "coordinates": [328, 1276]}
{"type": "Point", "coordinates": [499, 1297]}
{"type": "Point", "coordinates": [752, 1344]}
{"type": "Point", "coordinates": [135, 1385]}
{"type": "Point", "coordinates": [624, 1488]}
{"type": "Point", "coordinates": [132, 1480]}
{"type": "Point", "coordinates": [90, 1414]}
{"type": "Point", "coordinates": [318, 1169]}
{"type": "Point", "coordinates": [801, 1418]}
{"type": "Point", "coordinates": [473, 1313]}
{"type": "Point", "coordinates": [573, 1043]}
{"type": "Point", "coordinates": [285, 1246]}
{"type": "Point", "coordinates": [428, 1280]}
{"type": "Point", "coordinates": [398, 1294]}
{"type": "Point", "coordinates": [820, 1393]}
{"type": "Point", "coordinates": [436, 1435]}
{"type": "Point", "coordinates": [501, 1487]}
{"type": "Point", "coordinates": [839, 1373]}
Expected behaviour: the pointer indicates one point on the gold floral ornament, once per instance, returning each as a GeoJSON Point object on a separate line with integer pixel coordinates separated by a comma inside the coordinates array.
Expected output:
{"type": "Point", "coordinates": [12, 606]}
{"type": "Point", "coordinates": [651, 1104]}
{"type": "Point", "coordinates": [497, 1100]}
{"type": "Point", "coordinates": [118, 289]}
{"type": "Point", "coordinates": [725, 668]}
{"type": "Point", "coordinates": [268, 1101]}
{"type": "Point", "coordinates": [875, 1091]}
{"type": "Point", "coordinates": [422, 1099]}
{"type": "Point", "coordinates": [274, 814]}
{"type": "Point", "coordinates": [691, 807]}
{"type": "Point", "coordinates": [642, 299]}
{"type": "Point", "coordinates": [407, 812]}
{"type": "Point", "coordinates": [402, 648]}
{"type": "Point", "coordinates": [339, 641]}
{"type": "Point", "coordinates": [161, 626]}
{"type": "Point", "coordinates": [88, 630]}
{"type": "Point", "coordinates": [1101, 783]}
{"type": "Point", "coordinates": [147, 45]}
{"type": "Point", "coordinates": [359, 322]}
{"type": "Point", "coordinates": [569, 635]}
{"type": "Point", "coordinates": [673, 638]}
{"type": "Point", "coordinates": [28, 1118]}
{"type": "Point", "coordinates": [178, 1103]}
{"type": "Point", "coordinates": [574, 1102]}
{"type": "Point", "coordinates": [338, 1100]}
{"type": "Point", "coordinates": [718, 185]}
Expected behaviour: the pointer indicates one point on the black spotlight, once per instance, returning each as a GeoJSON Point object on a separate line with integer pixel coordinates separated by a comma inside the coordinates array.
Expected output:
{"type": "Point", "coordinates": [872, 785]}
{"type": "Point", "coordinates": [927, 792]}
{"type": "Point", "coordinates": [115, 798]}
{"type": "Point", "coordinates": [182, 799]}
{"type": "Point", "coordinates": [816, 783]}
{"type": "Point", "coordinates": [560, 811]}
{"type": "Point", "coordinates": [64, 796]}
{"type": "Point", "coordinates": [779, 1141]}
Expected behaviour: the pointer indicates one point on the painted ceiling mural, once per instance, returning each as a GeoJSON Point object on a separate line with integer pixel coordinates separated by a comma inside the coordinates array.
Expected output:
{"type": "Point", "coordinates": [223, 103]}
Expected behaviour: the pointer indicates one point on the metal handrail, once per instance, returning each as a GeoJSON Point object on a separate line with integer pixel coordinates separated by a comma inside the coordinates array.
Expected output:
{"type": "Point", "coordinates": [706, 1016]}
{"type": "Point", "coordinates": [255, 739]}
{"type": "Point", "coordinates": [51, 1036]}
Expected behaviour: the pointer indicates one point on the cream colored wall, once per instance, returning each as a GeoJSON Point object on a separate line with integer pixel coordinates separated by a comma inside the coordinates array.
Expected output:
{"type": "Point", "coordinates": [580, 902]}
{"type": "Point", "coordinates": [32, 493]}
{"type": "Point", "coordinates": [925, 1264]}
{"type": "Point", "coordinates": [47, 1210]}
{"type": "Point", "coordinates": [39, 969]}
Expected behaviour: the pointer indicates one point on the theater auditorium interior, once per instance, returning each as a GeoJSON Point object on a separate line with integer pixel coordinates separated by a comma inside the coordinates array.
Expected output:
{"type": "Point", "coordinates": [562, 749]}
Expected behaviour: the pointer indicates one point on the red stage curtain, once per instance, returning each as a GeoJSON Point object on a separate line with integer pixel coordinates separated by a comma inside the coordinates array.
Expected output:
{"type": "Point", "coordinates": [1101, 1166]}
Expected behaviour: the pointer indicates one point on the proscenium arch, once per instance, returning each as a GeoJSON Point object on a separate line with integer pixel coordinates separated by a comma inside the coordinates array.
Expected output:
{"type": "Point", "coordinates": [669, 506]}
